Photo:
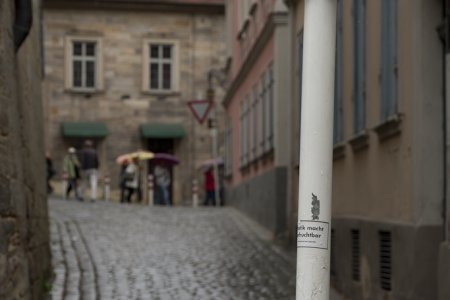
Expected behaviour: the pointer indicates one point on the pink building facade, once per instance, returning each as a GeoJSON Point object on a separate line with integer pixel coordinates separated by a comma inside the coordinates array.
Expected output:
{"type": "Point", "coordinates": [257, 149]}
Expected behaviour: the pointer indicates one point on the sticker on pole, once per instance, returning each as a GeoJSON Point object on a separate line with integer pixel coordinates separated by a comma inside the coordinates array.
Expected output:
{"type": "Point", "coordinates": [312, 234]}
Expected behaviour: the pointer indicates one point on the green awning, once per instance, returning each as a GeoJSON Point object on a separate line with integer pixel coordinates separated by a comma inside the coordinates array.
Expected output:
{"type": "Point", "coordinates": [84, 129]}
{"type": "Point", "coordinates": [160, 130]}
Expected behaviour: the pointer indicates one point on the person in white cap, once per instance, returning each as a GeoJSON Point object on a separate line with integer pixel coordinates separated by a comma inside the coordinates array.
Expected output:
{"type": "Point", "coordinates": [71, 167]}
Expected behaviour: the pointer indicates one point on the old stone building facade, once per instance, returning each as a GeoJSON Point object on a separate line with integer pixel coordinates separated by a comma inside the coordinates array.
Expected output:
{"type": "Point", "coordinates": [122, 73]}
{"type": "Point", "coordinates": [24, 236]}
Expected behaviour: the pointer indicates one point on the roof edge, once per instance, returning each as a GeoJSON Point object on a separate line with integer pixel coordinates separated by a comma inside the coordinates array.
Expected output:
{"type": "Point", "coordinates": [217, 7]}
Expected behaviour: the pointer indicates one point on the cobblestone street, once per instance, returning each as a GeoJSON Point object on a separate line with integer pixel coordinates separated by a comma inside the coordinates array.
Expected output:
{"type": "Point", "coordinates": [109, 251]}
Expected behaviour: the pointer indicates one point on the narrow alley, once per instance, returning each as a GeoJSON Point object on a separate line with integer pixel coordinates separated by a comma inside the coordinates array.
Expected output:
{"type": "Point", "coordinates": [111, 251]}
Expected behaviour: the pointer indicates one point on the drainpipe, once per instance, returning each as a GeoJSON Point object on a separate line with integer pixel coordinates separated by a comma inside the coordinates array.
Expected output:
{"type": "Point", "coordinates": [442, 31]}
{"type": "Point", "coordinates": [290, 223]}
{"type": "Point", "coordinates": [23, 21]}
{"type": "Point", "coordinates": [446, 125]}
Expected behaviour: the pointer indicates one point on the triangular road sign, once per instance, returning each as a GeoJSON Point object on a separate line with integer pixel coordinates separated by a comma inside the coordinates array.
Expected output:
{"type": "Point", "coordinates": [200, 109]}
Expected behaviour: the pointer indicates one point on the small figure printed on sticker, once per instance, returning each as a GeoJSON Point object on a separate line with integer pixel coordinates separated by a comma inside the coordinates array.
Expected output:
{"type": "Point", "coordinates": [315, 209]}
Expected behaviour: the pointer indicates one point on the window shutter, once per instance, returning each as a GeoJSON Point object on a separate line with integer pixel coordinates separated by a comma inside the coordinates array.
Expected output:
{"type": "Point", "coordinates": [388, 66]}
{"type": "Point", "coordinates": [337, 133]}
{"type": "Point", "coordinates": [359, 107]}
{"type": "Point", "coordinates": [299, 86]}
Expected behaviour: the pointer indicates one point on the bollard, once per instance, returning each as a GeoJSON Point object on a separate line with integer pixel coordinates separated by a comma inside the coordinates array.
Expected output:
{"type": "Point", "coordinates": [150, 190]}
{"type": "Point", "coordinates": [194, 193]}
{"type": "Point", "coordinates": [106, 187]}
{"type": "Point", "coordinates": [64, 185]}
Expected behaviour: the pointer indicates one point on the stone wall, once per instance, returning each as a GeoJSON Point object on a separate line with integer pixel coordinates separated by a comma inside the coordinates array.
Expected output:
{"type": "Point", "coordinates": [24, 238]}
{"type": "Point", "coordinates": [263, 198]}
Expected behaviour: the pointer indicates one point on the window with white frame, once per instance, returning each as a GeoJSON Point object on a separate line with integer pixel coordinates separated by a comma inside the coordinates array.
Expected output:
{"type": "Point", "coordinates": [241, 135]}
{"type": "Point", "coordinates": [247, 130]}
{"type": "Point", "coordinates": [270, 95]}
{"type": "Point", "coordinates": [228, 148]}
{"type": "Point", "coordinates": [263, 113]}
{"type": "Point", "coordinates": [244, 130]}
{"type": "Point", "coordinates": [254, 136]}
{"type": "Point", "coordinates": [83, 64]}
{"type": "Point", "coordinates": [160, 66]}
{"type": "Point", "coordinates": [250, 128]}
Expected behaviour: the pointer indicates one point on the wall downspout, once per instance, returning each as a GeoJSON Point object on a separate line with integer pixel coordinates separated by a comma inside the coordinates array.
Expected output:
{"type": "Point", "coordinates": [23, 21]}
{"type": "Point", "coordinates": [289, 195]}
{"type": "Point", "coordinates": [446, 124]}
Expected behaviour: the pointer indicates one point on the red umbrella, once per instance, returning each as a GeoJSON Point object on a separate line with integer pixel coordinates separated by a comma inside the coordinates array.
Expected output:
{"type": "Point", "coordinates": [165, 158]}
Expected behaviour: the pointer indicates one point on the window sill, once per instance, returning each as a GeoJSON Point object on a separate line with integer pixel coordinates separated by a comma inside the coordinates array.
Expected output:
{"type": "Point", "coordinates": [359, 141]}
{"type": "Point", "coordinates": [244, 168]}
{"type": "Point", "coordinates": [86, 92]}
{"type": "Point", "coordinates": [338, 151]}
{"type": "Point", "coordinates": [388, 128]}
{"type": "Point", "coordinates": [161, 93]}
{"type": "Point", "coordinates": [243, 29]}
{"type": "Point", "coordinates": [253, 7]}
{"type": "Point", "coordinates": [267, 155]}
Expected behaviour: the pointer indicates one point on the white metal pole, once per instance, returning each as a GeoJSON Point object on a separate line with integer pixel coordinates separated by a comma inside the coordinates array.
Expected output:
{"type": "Point", "coordinates": [107, 190]}
{"type": "Point", "coordinates": [65, 183]}
{"type": "Point", "coordinates": [316, 147]}
{"type": "Point", "coordinates": [195, 193]}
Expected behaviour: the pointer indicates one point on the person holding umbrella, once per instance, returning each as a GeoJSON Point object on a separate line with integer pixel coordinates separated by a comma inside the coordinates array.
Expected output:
{"type": "Point", "coordinates": [127, 180]}
{"type": "Point", "coordinates": [131, 178]}
{"type": "Point", "coordinates": [162, 177]}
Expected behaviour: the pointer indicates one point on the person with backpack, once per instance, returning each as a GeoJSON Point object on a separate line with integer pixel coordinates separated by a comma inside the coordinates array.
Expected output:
{"type": "Point", "coordinates": [71, 166]}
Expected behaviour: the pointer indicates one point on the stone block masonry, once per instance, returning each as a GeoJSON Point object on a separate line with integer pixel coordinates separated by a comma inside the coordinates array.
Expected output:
{"type": "Point", "coordinates": [24, 235]}
{"type": "Point", "coordinates": [123, 104]}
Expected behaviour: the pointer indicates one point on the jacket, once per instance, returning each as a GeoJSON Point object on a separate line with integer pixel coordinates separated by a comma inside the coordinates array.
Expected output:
{"type": "Point", "coordinates": [88, 159]}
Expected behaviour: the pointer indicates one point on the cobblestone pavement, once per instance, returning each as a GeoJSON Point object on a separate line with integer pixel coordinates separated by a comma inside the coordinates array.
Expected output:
{"type": "Point", "coordinates": [110, 251]}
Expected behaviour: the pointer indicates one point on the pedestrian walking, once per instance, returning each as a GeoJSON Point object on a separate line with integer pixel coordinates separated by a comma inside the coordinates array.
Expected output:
{"type": "Point", "coordinates": [122, 180]}
{"type": "Point", "coordinates": [71, 167]}
{"type": "Point", "coordinates": [210, 188]}
{"type": "Point", "coordinates": [131, 177]}
{"type": "Point", "coordinates": [139, 188]}
{"type": "Point", "coordinates": [89, 165]}
{"type": "Point", "coordinates": [50, 172]}
{"type": "Point", "coordinates": [162, 178]}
